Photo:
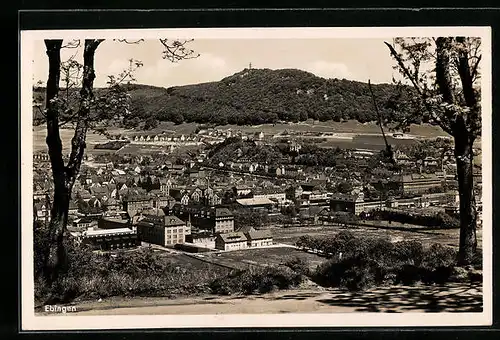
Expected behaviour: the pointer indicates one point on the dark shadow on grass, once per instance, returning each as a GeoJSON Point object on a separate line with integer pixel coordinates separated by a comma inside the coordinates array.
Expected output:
{"type": "Point", "coordinates": [404, 299]}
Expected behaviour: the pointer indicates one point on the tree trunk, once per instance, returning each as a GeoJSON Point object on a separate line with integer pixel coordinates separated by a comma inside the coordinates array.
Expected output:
{"type": "Point", "coordinates": [55, 255]}
{"type": "Point", "coordinates": [468, 214]}
{"type": "Point", "coordinates": [57, 260]}
{"type": "Point", "coordinates": [464, 140]}
{"type": "Point", "coordinates": [64, 176]}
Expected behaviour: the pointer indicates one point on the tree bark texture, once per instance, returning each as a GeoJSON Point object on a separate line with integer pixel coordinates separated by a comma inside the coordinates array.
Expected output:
{"type": "Point", "coordinates": [64, 176]}
{"type": "Point", "coordinates": [55, 254]}
{"type": "Point", "coordinates": [468, 213]}
{"type": "Point", "coordinates": [464, 140]}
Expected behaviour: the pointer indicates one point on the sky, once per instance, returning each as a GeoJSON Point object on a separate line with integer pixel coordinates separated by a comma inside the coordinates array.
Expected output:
{"type": "Point", "coordinates": [353, 59]}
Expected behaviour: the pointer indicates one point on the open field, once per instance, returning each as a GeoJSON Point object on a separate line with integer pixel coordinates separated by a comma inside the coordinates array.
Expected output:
{"type": "Point", "coordinates": [371, 142]}
{"type": "Point", "coordinates": [369, 131]}
{"type": "Point", "coordinates": [191, 263]}
{"type": "Point", "coordinates": [350, 126]}
{"type": "Point", "coordinates": [448, 237]}
{"type": "Point", "coordinates": [263, 256]}
{"type": "Point", "coordinates": [142, 149]}
{"type": "Point", "coordinates": [40, 133]}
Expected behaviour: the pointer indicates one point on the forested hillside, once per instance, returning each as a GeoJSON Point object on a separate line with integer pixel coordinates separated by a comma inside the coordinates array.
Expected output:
{"type": "Point", "coordinates": [257, 96]}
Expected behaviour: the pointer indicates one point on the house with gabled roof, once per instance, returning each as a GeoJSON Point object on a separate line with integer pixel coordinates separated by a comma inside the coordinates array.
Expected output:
{"type": "Point", "coordinates": [83, 195]}
{"type": "Point", "coordinates": [259, 238]}
{"type": "Point", "coordinates": [83, 223]}
{"type": "Point", "coordinates": [185, 199]}
{"type": "Point", "coordinates": [196, 194]}
{"type": "Point", "coordinates": [214, 199]}
{"type": "Point", "coordinates": [95, 202]}
{"type": "Point", "coordinates": [165, 185]}
{"type": "Point", "coordinates": [112, 204]}
{"type": "Point", "coordinates": [245, 228]}
{"type": "Point", "coordinates": [231, 241]}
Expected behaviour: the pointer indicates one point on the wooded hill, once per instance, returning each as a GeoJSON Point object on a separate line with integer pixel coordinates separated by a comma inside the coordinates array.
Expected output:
{"type": "Point", "coordinates": [258, 96]}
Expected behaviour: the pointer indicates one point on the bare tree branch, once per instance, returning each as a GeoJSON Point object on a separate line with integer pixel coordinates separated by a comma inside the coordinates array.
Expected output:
{"type": "Point", "coordinates": [129, 41]}
{"type": "Point", "coordinates": [474, 71]}
{"type": "Point", "coordinates": [86, 96]}
{"type": "Point", "coordinates": [75, 43]}
{"type": "Point", "coordinates": [175, 50]}
{"type": "Point", "coordinates": [404, 68]}
{"type": "Point", "coordinates": [70, 118]}
{"type": "Point", "coordinates": [387, 146]}
{"type": "Point", "coordinates": [418, 87]}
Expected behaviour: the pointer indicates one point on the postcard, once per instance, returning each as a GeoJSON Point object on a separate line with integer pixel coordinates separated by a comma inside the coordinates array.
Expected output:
{"type": "Point", "coordinates": [256, 177]}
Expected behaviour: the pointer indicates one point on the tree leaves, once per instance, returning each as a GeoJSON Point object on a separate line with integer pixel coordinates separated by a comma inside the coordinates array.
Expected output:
{"type": "Point", "coordinates": [268, 96]}
{"type": "Point", "coordinates": [417, 60]}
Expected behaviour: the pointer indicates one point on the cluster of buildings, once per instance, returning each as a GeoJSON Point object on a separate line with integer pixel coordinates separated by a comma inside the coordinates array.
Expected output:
{"type": "Point", "coordinates": [356, 204]}
{"type": "Point", "coordinates": [208, 136]}
{"type": "Point", "coordinates": [164, 138]}
{"type": "Point", "coordinates": [222, 134]}
{"type": "Point", "coordinates": [110, 209]}
{"type": "Point", "coordinates": [200, 228]}
{"type": "Point", "coordinates": [126, 201]}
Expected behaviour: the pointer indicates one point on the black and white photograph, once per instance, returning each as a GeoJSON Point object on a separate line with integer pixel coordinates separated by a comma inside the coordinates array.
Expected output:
{"type": "Point", "coordinates": [256, 177]}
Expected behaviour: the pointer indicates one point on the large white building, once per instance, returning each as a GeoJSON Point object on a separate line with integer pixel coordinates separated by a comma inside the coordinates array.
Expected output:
{"type": "Point", "coordinates": [243, 240]}
{"type": "Point", "coordinates": [162, 230]}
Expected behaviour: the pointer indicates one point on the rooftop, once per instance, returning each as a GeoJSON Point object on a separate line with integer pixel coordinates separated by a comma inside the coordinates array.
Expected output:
{"type": "Point", "coordinates": [172, 221]}
{"type": "Point", "coordinates": [233, 237]}
{"type": "Point", "coordinates": [254, 201]}
{"type": "Point", "coordinates": [101, 232]}
{"type": "Point", "coordinates": [419, 177]}
{"type": "Point", "coordinates": [222, 212]}
{"type": "Point", "coordinates": [246, 228]}
{"type": "Point", "coordinates": [258, 234]}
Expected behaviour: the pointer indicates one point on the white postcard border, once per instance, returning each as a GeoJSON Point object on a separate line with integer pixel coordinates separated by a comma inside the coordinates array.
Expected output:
{"type": "Point", "coordinates": [71, 322]}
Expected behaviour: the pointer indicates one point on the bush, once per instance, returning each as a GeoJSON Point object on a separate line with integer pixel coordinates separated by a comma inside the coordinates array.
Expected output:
{"type": "Point", "coordinates": [409, 274]}
{"type": "Point", "coordinates": [477, 260]}
{"type": "Point", "coordinates": [139, 273]}
{"type": "Point", "coordinates": [359, 277]}
{"type": "Point", "coordinates": [351, 273]}
{"type": "Point", "coordinates": [226, 285]}
{"type": "Point", "coordinates": [439, 256]}
{"type": "Point", "coordinates": [367, 262]}
{"type": "Point", "coordinates": [410, 252]}
{"type": "Point", "coordinates": [256, 280]}
{"type": "Point", "coordinates": [298, 265]}
{"type": "Point", "coordinates": [343, 241]}
{"type": "Point", "coordinates": [437, 220]}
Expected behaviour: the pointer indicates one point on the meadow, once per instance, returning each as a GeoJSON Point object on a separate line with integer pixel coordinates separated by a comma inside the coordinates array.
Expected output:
{"type": "Point", "coordinates": [369, 131]}
{"type": "Point", "coordinates": [264, 257]}
{"type": "Point", "coordinates": [447, 237]}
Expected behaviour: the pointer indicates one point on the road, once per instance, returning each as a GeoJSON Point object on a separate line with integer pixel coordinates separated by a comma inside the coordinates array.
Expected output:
{"type": "Point", "coordinates": [397, 299]}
